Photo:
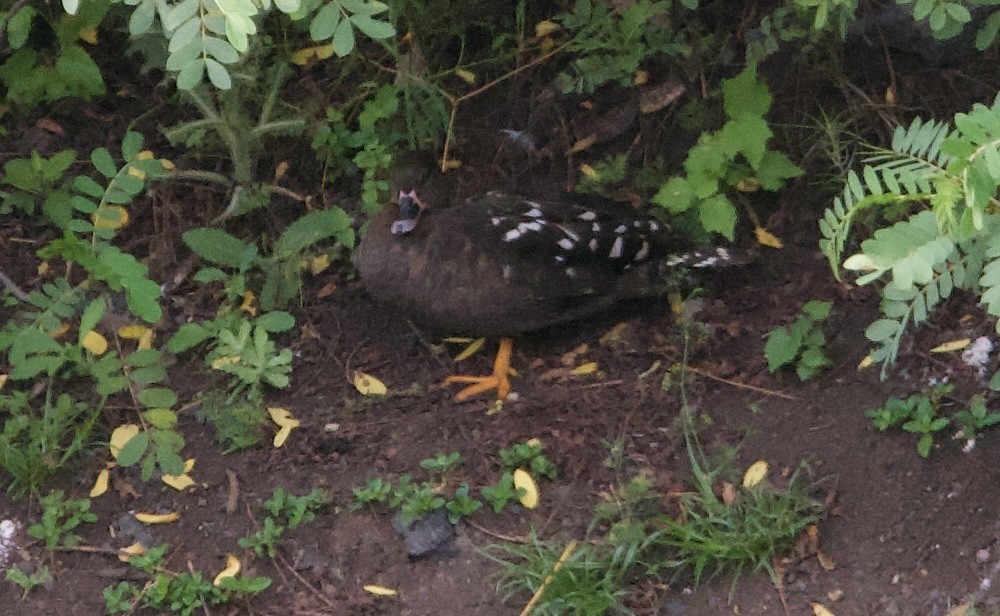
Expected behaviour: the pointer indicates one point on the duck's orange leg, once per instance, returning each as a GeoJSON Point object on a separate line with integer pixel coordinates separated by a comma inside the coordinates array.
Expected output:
{"type": "Point", "coordinates": [499, 380]}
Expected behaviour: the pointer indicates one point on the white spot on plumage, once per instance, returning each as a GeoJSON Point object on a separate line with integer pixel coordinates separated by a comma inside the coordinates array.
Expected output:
{"type": "Point", "coordinates": [676, 260]}
{"type": "Point", "coordinates": [643, 252]}
{"type": "Point", "coordinates": [570, 234]}
{"type": "Point", "coordinates": [507, 271]}
{"type": "Point", "coordinates": [533, 212]}
{"type": "Point", "coordinates": [620, 229]}
{"type": "Point", "coordinates": [533, 204]}
{"type": "Point", "coordinates": [637, 223]}
{"type": "Point", "coordinates": [587, 216]}
{"type": "Point", "coordinates": [616, 248]}
{"type": "Point", "coordinates": [511, 235]}
{"type": "Point", "coordinates": [560, 258]}
{"type": "Point", "coordinates": [654, 226]}
{"type": "Point", "coordinates": [571, 272]}
{"type": "Point", "coordinates": [596, 228]}
{"type": "Point", "coordinates": [593, 245]}
{"type": "Point", "coordinates": [567, 244]}
{"type": "Point", "coordinates": [529, 226]}
{"type": "Point", "coordinates": [496, 220]}
{"type": "Point", "coordinates": [706, 262]}
{"type": "Point", "coordinates": [723, 253]}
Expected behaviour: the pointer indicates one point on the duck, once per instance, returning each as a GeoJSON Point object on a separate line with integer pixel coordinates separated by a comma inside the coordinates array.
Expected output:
{"type": "Point", "coordinates": [501, 265]}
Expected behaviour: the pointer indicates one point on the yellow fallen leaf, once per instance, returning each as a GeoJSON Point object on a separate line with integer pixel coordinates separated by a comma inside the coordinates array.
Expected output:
{"type": "Point", "coordinates": [101, 485]}
{"type": "Point", "coordinates": [866, 362]}
{"type": "Point", "coordinates": [307, 55]}
{"type": "Point", "coordinates": [369, 385]}
{"type": "Point", "coordinates": [588, 368]}
{"type": "Point", "coordinates": [755, 474]}
{"type": "Point", "coordinates": [545, 28]}
{"type": "Point", "coordinates": [281, 169]}
{"type": "Point", "coordinates": [281, 416]}
{"type": "Point", "coordinates": [132, 332]}
{"type": "Point", "coordinates": [820, 610]}
{"type": "Point", "coordinates": [178, 482]}
{"type": "Point", "coordinates": [136, 549]}
{"type": "Point", "coordinates": [121, 435]}
{"type": "Point", "coordinates": [319, 263]}
{"type": "Point", "coordinates": [748, 185]}
{"type": "Point", "coordinates": [282, 434]}
{"type": "Point", "coordinates": [890, 97]}
{"type": "Point", "coordinates": [88, 35]}
{"type": "Point", "coordinates": [581, 145]}
{"type": "Point", "coordinates": [766, 238]}
{"type": "Point", "coordinates": [158, 518]}
{"type": "Point", "coordinates": [232, 568]}
{"type": "Point", "coordinates": [168, 164]}
{"type": "Point", "coordinates": [524, 481]}
{"type": "Point", "coordinates": [95, 343]}
{"type": "Point", "coordinates": [145, 155]}
{"type": "Point", "coordinates": [641, 78]}
{"type": "Point", "coordinates": [835, 595]}
{"type": "Point", "coordinates": [189, 465]}
{"type": "Point", "coordinates": [533, 442]}
{"type": "Point", "coordinates": [589, 172]}
{"type": "Point", "coordinates": [137, 173]}
{"type": "Point", "coordinates": [109, 217]}
{"type": "Point", "coordinates": [58, 332]}
{"type": "Point", "coordinates": [219, 362]}
{"type": "Point", "coordinates": [954, 345]}
{"type": "Point", "coordinates": [380, 591]}
{"type": "Point", "coordinates": [249, 303]}
{"type": "Point", "coordinates": [146, 341]}
{"type": "Point", "coordinates": [3, 380]}
{"type": "Point", "coordinates": [467, 76]}
{"type": "Point", "coordinates": [285, 420]}
{"type": "Point", "coordinates": [471, 349]}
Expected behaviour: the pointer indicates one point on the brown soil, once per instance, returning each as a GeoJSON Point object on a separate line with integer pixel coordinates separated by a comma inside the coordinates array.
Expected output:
{"type": "Point", "coordinates": [900, 535]}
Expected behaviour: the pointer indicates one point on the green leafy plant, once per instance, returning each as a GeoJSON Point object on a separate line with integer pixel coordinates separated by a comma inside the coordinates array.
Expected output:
{"type": "Point", "coordinates": [28, 581]}
{"type": "Point", "coordinates": [462, 505]}
{"type": "Point", "coordinates": [237, 426]}
{"type": "Point", "coordinates": [938, 183]}
{"type": "Point", "coordinates": [529, 456]}
{"type": "Point", "coordinates": [179, 593]}
{"type": "Point", "coordinates": [240, 266]}
{"type": "Point", "coordinates": [37, 443]}
{"type": "Point", "coordinates": [442, 464]}
{"type": "Point", "coordinates": [417, 501]}
{"type": "Point", "coordinates": [918, 414]}
{"type": "Point", "coordinates": [34, 186]}
{"type": "Point", "coordinates": [801, 343]}
{"type": "Point", "coordinates": [376, 491]}
{"type": "Point", "coordinates": [60, 516]}
{"type": "Point", "coordinates": [36, 74]}
{"type": "Point", "coordinates": [611, 44]}
{"type": "Point", "coordinates": [502, 493]}
{"type": "Point", "coordinates": [287, 512]}
{"type": "Point", "coordinates": [367, 148]}
{"type": "Point", "coordinates": [975, 419]}
{"type": "Point", "coordinates": [735, 157]}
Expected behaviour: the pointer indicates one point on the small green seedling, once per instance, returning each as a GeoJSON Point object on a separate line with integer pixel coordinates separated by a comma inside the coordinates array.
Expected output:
{"type": "Point", "coordinates": [503, 493]}
{"type": "Point", "coordinates": [442, 464]}
{"type": "Point", "coordinates": [800, 344]}
{"type": "Point", "coordinates": [376, 491]}
{"type": "Point", "coordinates": [28, 581]}
{"type": "Point", "coordinates": [917, 414]}
{"type": "Point", "coordinates": [528, 456]}
{"type": "Point", "coordinates": [462, 505]}
{"type": "Point", "coordinates": [59, 517]}
{"type": "Point", "coordinates": [974, 419]}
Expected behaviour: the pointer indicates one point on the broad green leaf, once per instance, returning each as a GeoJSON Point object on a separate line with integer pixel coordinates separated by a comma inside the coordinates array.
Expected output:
{"type": "Point", "coordinates": [132, 451]}
{"type": "Point", "coordinates": [215, 246]}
